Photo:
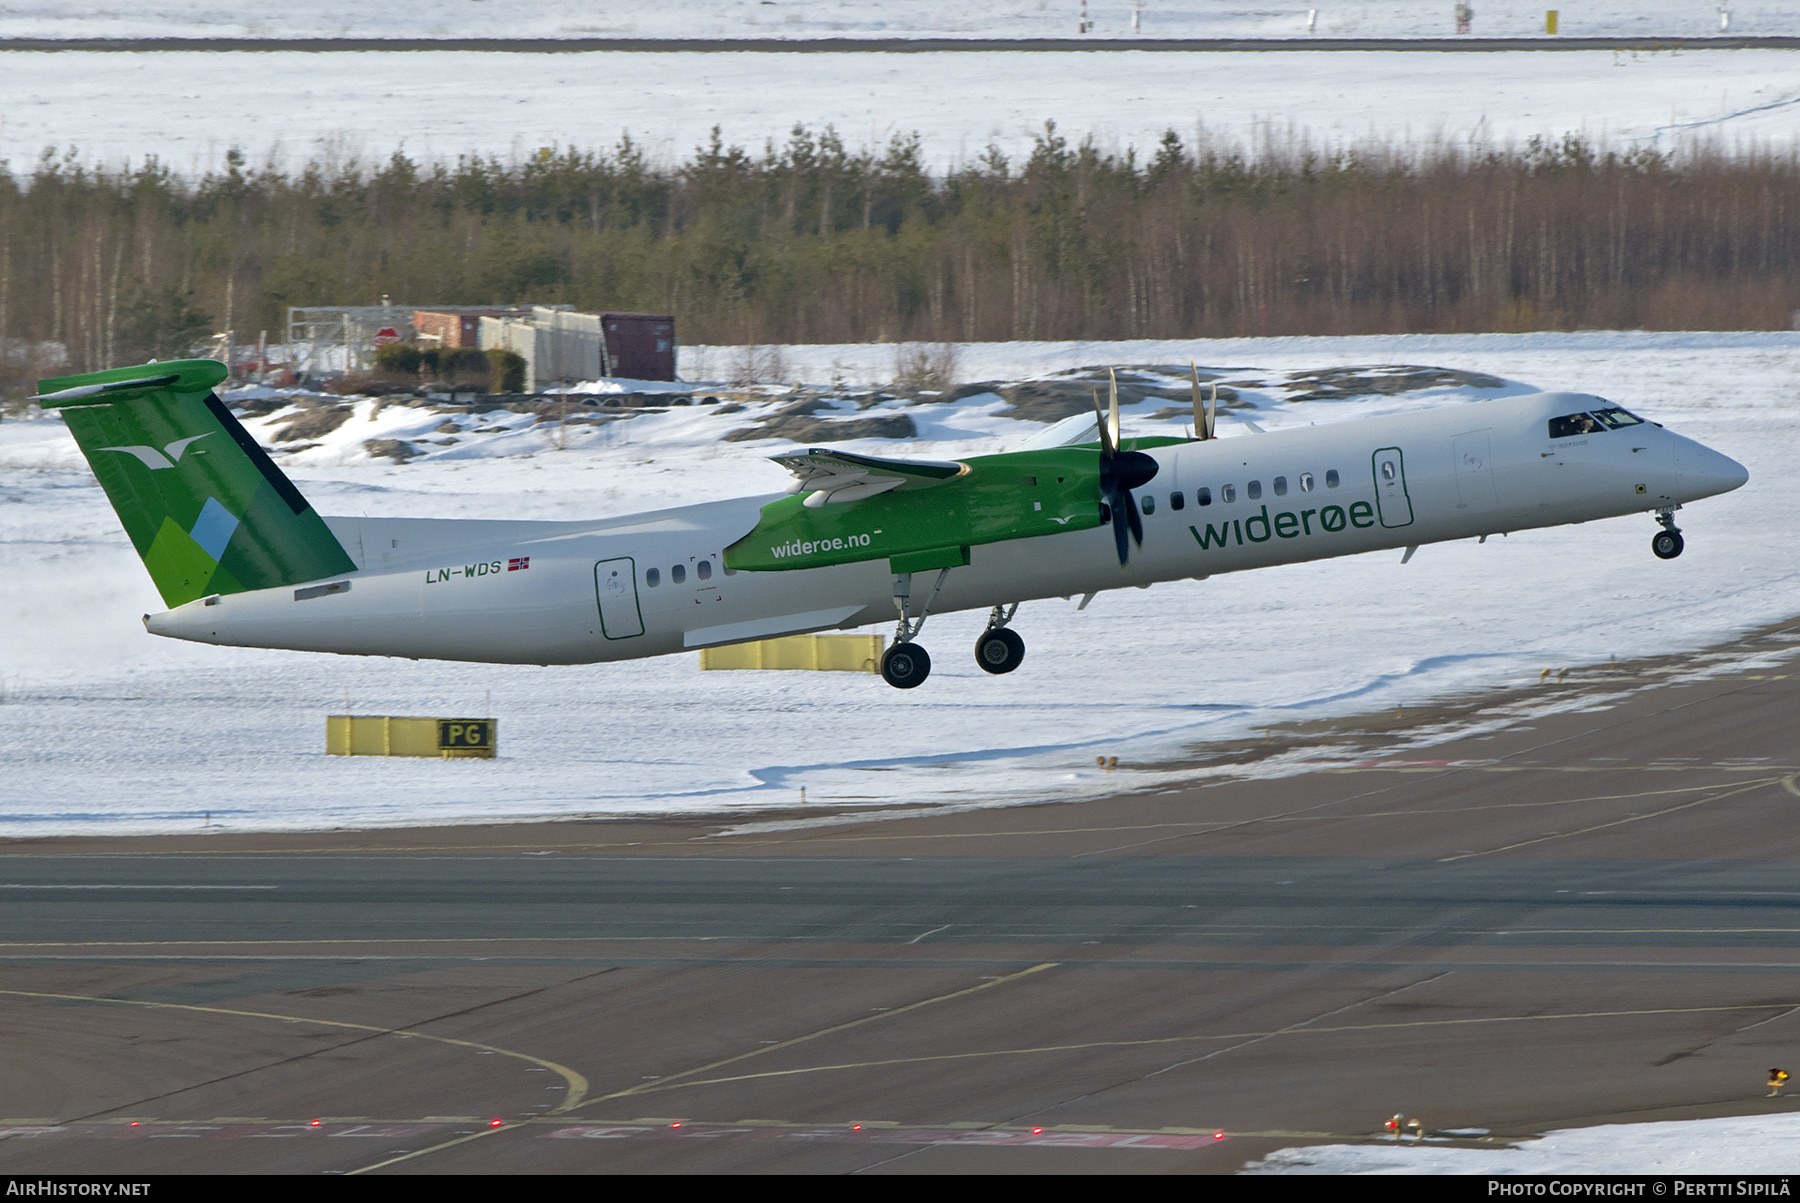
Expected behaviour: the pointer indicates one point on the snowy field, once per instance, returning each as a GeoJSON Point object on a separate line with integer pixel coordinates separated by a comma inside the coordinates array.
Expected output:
{"type": "Point", "coordinates": [285, 108]}
{"type": "Point", "coordinates": [883, 19]}
{"type": "Point", "coordinates": [1759, 1144]}
{"type": "Point", "coordinates": [106, 729]}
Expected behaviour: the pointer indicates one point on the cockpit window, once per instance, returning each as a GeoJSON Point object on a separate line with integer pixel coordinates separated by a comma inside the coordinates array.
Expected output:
{"type": "Point", "coordinates": [1597, 422]}
{"type": "Point", "coordinates": [1616, 417]}
{"type": "Point", "coordinates": [1574, 426]}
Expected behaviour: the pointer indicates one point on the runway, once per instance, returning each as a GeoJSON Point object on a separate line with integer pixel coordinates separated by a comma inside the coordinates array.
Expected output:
{"type": "Point", "coordinates": [1546, 919]}
{"type": "Point", "coordinates": [1083, 45]}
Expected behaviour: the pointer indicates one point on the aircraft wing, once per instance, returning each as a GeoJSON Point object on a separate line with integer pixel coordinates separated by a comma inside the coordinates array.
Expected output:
{"type": "Point", "coordinates": [838, 476]}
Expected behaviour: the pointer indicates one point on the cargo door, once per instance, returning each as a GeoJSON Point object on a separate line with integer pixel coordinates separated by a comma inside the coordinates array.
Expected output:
{"type": "Point", "coordinates": [615, 587]}
{"type": "Point", "coordinates": [1391, 501]}
{"type": "Point", "coordinates": [1474, 471]}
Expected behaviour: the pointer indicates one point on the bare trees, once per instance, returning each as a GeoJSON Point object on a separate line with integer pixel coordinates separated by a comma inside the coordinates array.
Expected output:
{"type": "Point", "coordinates": [811, 241]}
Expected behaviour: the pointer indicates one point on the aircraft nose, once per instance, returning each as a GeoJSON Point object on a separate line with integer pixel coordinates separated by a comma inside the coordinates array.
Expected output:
{"type": "Point", "coordinates": [1706, 473]}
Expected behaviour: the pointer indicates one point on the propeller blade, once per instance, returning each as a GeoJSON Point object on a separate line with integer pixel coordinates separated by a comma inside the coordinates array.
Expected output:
{"type": "Point", "coordinates": [1113, 419]}
{"type": "Point", "coordinates": [1202, 417]}
{"type": "Point", "coordinates": [1121, 525]}
{"type": "Point", "coordinates": [1133, 520]}
{"type": "Point", "coordinates": [1212, 412]}
{"type": "Point", "coordinates": [1199, 414]}
{"type": "Point", "coordinates": [1107, 445]}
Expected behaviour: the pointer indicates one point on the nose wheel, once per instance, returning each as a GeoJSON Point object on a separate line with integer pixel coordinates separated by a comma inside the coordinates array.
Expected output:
{"type": "Point", "coordinates": [1667, 542]}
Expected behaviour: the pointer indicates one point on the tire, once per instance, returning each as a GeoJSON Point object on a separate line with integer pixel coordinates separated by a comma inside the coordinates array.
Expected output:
{"type": "Point", "coordinates": [1667, 544]}
{"type": "Point", "coordinates": [999, 650]}
{"type": "Point", "coordinates": [905, 666]}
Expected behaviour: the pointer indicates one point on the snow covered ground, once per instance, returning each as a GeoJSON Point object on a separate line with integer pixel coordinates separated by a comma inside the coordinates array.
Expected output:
{"type": "Point", "coordinates": [189, 109]}
{"type": "Point", "coordinates": [882, 19]}
{"type": "Point", "coordinates": [1757, 1144]}
{"type": "Point", "coordinates": [106, 729]}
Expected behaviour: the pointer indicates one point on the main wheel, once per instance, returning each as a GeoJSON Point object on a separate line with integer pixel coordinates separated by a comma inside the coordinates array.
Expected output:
{"type": "Point", "coordinates": [1667, 544]}
{"type": "Point", "coordinates": [905, 665]}
{"type": "Point", "coordinates": [999, 650]}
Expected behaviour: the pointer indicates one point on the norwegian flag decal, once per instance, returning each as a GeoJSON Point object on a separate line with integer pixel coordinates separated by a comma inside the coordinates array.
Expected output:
{"type": "Point", "coordinates": [516, 564]}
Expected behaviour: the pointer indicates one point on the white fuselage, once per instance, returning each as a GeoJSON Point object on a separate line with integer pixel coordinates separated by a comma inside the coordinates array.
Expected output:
{"type": "Point", "coordinates": [579, 592]}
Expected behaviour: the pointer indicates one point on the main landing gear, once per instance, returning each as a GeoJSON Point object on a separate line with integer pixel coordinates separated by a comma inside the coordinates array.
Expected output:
{"type": "Point", "coordinates": [1667, 542]}
{"type": "Point", "coordinates": [1000, 650]}
{"type": "Point", "coordinates": [906, 664]}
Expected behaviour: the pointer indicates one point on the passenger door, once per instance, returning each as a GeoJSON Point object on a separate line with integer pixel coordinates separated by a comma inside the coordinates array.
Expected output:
{"type": "Point", "coordinates": [1391, 501]}
{"type": "Point", "coordinates": [615, 589]}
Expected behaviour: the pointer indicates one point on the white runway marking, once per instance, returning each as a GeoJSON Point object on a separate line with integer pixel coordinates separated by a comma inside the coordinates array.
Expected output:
{"type": "Point", "coordinates": [9, 886]}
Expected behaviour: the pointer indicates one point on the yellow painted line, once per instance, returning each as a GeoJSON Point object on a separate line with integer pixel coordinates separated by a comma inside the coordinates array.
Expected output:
{"type": "Point", "coordinates": [577, 1085]}
{"type": "Point", "coordinates": [1162, 1040]}
{"type": "Point", "coordinates": [1787, 783]}
{"type": "Point", "coordinates": [1655, 814]}
{"type": "Point", "coordinates": [841, 1027]}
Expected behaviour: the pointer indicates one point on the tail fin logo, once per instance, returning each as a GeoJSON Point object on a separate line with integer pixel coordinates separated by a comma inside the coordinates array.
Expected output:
{"type": "Point", "coordinates": [168, 457]}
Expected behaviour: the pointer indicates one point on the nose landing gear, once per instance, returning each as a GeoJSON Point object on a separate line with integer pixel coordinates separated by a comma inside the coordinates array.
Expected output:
{"type": "Point", "coordinates": [1000, 649]}
{"type": "Point", "coordinates": [1667, 543]}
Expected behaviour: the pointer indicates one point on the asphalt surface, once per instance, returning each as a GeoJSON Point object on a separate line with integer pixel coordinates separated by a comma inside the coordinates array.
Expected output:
{"type": "Point", "coordinates": [882, 45]}
{"type": "Point", "coordinates": [1579, 905]}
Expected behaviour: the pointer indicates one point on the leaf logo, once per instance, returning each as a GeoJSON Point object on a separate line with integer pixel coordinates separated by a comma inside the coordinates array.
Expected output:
{"type": "Point", "coordinates": [168, 457]}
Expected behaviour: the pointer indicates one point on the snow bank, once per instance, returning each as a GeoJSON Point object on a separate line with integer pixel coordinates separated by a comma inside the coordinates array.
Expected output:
{"type": "Point", "coordinates": [106, 729]}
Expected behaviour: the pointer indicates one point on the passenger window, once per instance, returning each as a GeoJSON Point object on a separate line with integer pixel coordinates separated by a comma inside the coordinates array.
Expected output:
{"type": "Point", "coordinates": [1306, 482]}
{"type": "Point", "coordinates": [1254, 490]}
{"type": "Point", "coordinates": [652, 578]}
{"type": "Point", "coordinates": [1281, 486]}
{"type": "Point", "coordinates": [1177, 501]}
{"type": "Point", "coordinates": [1387, 470]}
{"type": "Point", "coordinates": [1149, 506]}
{"type": "Point", "coordinates": [704, 568]}
{"type": "Point", "coordinates": [730, 571]}
{"type": "Point", "coordinates": [1228, 493]}
{"type": "Point", "coordinates": [677, 575]}
{"type": "Point", "coordinates": [1573, 426]}
{"type": "Point", "coordinates": [1204, 496]}
{"type": "Point", "coordinates": [1331, 478]}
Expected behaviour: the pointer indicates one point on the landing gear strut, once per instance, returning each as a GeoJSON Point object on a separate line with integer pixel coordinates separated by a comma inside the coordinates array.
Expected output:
{"type": "Point", "coordinates": [906, 664]}
{"type": "Point", "coordinates": [1667, 543]}
{"type": "Point", "coordinates": [1000, 650]}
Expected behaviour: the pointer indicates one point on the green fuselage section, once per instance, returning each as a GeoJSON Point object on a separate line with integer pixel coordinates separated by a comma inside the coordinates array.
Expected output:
{"type": "Point", "coordinates": [1017, 495]}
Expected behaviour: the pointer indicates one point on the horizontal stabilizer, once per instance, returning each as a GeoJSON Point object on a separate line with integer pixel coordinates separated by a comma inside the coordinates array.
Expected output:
{"type": "Point", "coordinates": [67, 395]}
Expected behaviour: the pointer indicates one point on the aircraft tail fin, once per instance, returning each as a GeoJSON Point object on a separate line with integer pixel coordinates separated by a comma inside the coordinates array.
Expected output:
{"type": "Point", "coordinates": [205, 506]}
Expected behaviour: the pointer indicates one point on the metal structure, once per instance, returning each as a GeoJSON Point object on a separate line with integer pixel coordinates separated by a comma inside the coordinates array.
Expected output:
{"type": "Point", "coordinates": [329, 340]}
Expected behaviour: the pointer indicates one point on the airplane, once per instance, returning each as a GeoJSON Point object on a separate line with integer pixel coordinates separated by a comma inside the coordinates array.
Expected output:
{"type": "Point", "coordinates": [242, 559]}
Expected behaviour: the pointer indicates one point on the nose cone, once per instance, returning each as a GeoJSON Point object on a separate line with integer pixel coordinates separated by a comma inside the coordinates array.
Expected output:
{"type": "Point", "coordinates": [1705, 473]}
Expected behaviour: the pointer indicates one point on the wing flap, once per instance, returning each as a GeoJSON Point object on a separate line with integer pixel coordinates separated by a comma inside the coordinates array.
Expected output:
{"type": "Point", "coordinates": [839, 476]}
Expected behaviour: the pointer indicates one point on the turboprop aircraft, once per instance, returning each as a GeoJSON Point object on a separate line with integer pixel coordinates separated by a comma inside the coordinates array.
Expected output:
{"type": "Point", "coordinates": [242, 559]}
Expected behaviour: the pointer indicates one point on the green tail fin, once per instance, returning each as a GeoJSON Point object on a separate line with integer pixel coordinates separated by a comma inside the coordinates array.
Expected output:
{"type": "Point", "coordinates": [204, 505]}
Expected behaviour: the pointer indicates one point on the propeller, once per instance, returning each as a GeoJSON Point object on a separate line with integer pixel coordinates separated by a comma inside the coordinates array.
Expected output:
{"type": "Point", "coordinates": [1204, 418]}
{"type": "Point", "coordinates": [1121, 472]}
